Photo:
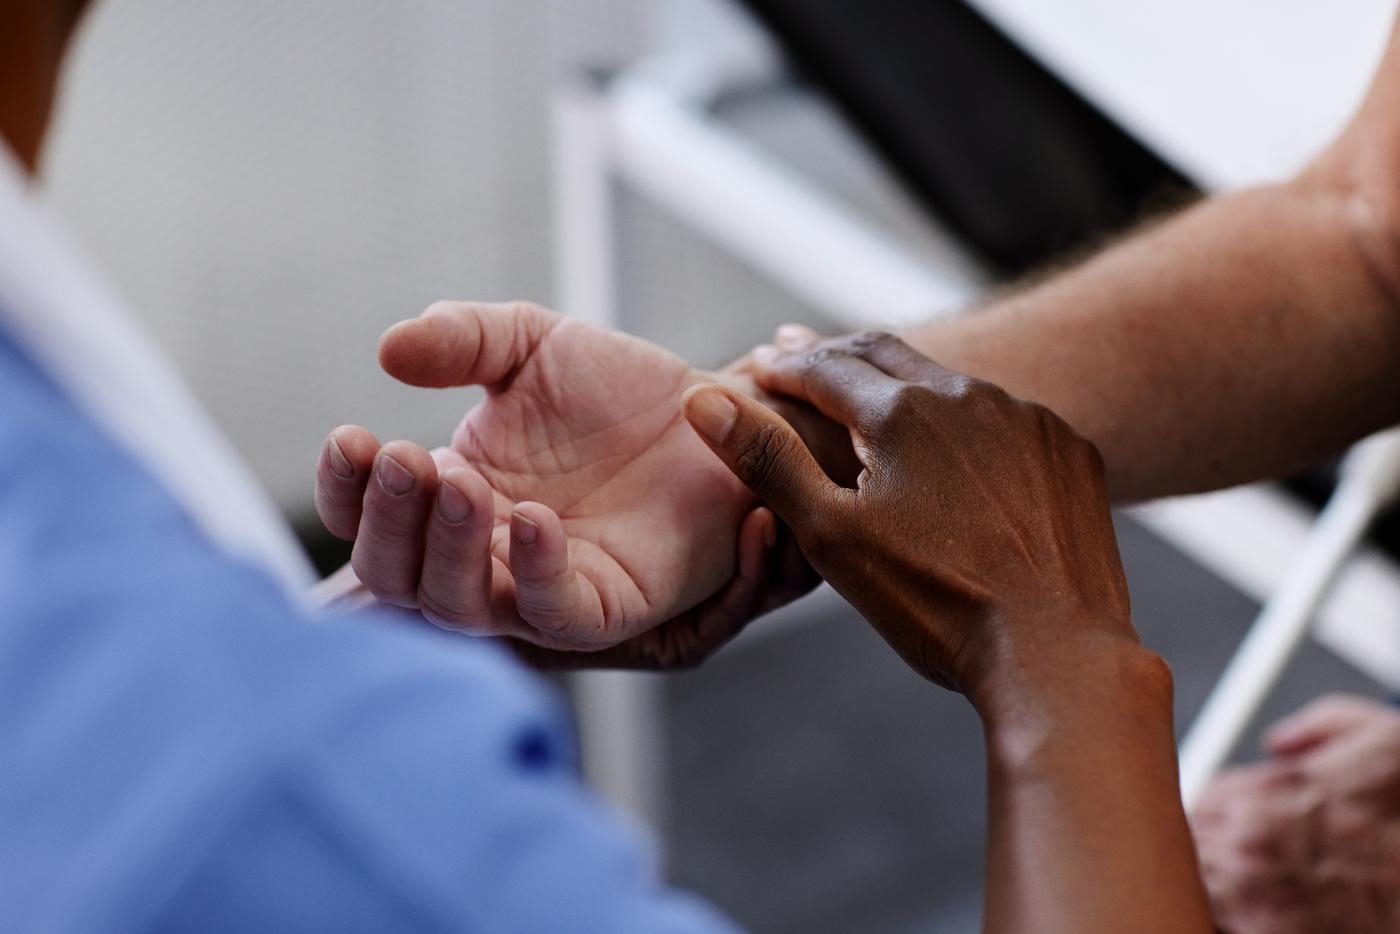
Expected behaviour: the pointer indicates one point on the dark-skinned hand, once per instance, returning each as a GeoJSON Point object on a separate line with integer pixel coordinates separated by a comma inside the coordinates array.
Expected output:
{"type": "Point", "coordinates": [978, 534]}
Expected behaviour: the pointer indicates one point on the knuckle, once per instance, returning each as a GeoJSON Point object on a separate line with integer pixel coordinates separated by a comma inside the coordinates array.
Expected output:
{"type": "Point", "coordinates": [443, 613]}
{"type": "Point", "coordinates": [823, 355]}
{"type": "Point", "coordinates": [529, 309]}
{"type": "Point", "coordinates": [385, 588]}
{"type": "Point", "coordinates": [761, 462]}
{"type": "Point", "coordinates": [1093, 457]}
{"type": "Point", "coordinates": [391, 527]}
{"type": "Point", "coordinates": [1061, 432]}
{"type": "Point", "coordinates": [907, 401]}
{"type": "Point", "coordinates": [868, 340]}
{"type": "Point", "coordinates": [959, 387]}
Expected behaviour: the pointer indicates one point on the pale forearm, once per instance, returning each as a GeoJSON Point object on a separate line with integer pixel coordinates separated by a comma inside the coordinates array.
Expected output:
{"type": "Point", "coordinates": [1244, 338]}
{"type": "Point", "coordinates": [1087, 832]}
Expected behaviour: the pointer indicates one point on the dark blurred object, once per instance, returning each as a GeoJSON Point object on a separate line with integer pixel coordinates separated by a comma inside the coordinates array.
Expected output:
{"type": "Point", "coordinates": [328, 554]}
{"type": "Point", "coordinates": [992, 143]}
{"type": "Point", "coordinates": [1316, 486]}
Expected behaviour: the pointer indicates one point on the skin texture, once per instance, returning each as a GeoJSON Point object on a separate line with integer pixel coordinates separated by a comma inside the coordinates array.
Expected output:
{"type": "Point", "coordinates": [573, 509]}
{"type": "Point", "coordinates": [971, 505]}
{"type": "Point", "coordinates": [1309, 839]}
{"type": "Point", "coordinates": [978, 542]}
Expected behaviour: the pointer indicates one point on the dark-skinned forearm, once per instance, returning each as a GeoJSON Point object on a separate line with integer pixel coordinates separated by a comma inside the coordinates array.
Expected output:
{"type": "Point", "coordinates": [1087, 832]}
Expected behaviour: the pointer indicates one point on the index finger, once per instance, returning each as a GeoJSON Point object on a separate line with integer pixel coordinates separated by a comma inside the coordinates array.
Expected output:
{"type": "Point", "coordinates": [845, 388]}
{"type": "Point", "coordinates": [342, 473]}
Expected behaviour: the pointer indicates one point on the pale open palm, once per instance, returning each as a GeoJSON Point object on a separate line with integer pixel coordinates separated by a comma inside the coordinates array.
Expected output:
{"type": "Point", "coordinates": [596, 512]}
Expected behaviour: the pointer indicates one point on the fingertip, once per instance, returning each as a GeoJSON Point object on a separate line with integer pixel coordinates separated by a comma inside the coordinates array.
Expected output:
{"type": "Point", "coordinates": [463, 493]}
{"type": "Point", "coordinates": [409, 352]}
{"type": "Point", "coordinates": [455, 589]}
{"type": "Point", "coordinates": [711, 411]}
{"type": "Point", "coordinates": [448, 459]}
{"type": "Point", "coordinates": [534, 525]}
{"type": "Point", "coordinates": [435, 350]}
{"type": "Point", "coordinates": [350, 451]}
{"type": "Point", "coordinates": [765, 354]}
{"type": "Point", "coordinates": [402, 467]}
{"type": "Point", "coordinates": [548, 592]}
{"type": "Point", "coordinates": [464, 343]}
{"type": "Point", "coordinates": [342, 474]}
{"type": "Point", "coordinates": [398, 504]}
{"type": "Point", "coordinates": [770, 526]}
{"type": "Point", "coordinates": [757, 535]}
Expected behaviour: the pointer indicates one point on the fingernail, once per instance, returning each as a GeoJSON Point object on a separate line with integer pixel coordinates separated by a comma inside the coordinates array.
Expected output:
{"type": "Point", "coordinates": [393, 476]}
{"type": "Point", "coordinates": [452, 506]}
{"type": "Point", "coordinates": [712, 413]}
{"type": "Point", "coordinates": [770, 534]}
{"type": "Point", "coordinates": [765, 354]}
{"type": "Point", "coordinates": [526, 531]}
{"type": "Point", "coordinates": [340, 464]}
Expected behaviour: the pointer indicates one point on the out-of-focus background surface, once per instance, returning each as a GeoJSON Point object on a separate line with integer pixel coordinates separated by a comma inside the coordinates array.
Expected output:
{"type": "Point", "coordinates": [272, 184]}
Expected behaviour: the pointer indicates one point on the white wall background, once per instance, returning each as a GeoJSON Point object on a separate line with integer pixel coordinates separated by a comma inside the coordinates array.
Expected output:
{"type": "Point", "coordinates": [273, 182]}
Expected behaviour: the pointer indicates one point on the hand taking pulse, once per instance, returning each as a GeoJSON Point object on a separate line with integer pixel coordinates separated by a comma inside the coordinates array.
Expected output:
{"type": "Point", "coordinates": [979, 532]}
{"type": "Point", "coordinates": [574, 509]}
{"type": "Point", "coordinates": [978, 542]}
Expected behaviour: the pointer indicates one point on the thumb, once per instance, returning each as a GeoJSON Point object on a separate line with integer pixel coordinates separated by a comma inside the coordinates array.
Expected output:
{"type": "Point", "coordinates": [465, 344]}
{"type": "Point", "coordinates": [763, 451]}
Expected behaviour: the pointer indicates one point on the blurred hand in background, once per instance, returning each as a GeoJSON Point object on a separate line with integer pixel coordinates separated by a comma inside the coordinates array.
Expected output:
{"type": "Point", "coordinates": [1309, 839]}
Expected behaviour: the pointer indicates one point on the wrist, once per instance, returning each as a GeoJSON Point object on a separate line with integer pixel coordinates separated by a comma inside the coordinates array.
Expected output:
{"type": "Point", "coordinates": [1040, 699]}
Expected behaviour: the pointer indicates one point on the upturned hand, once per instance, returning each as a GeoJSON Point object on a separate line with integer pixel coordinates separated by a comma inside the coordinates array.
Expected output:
{"type": "Point", "coordinates": [573, 509]}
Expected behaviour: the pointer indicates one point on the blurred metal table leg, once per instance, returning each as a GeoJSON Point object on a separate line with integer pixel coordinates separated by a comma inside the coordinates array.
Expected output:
{"type": "Point", "coordinates": [622, 737]}
{"type": "Point", "coordinates": [1370, 481]}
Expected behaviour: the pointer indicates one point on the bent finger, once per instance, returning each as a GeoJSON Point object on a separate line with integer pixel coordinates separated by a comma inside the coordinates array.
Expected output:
{"type": "Point", "coordinates": [687, 640]}
{"type": "Point", "coordinates": [549, 593]}
{"type": "Point", "coordinates": [724, 616]}
{"type": "Point", "coordinates": [342, 474]}
{"type": "Point", "coordinates": [454, 590]}
{"type": "Point", "coordinates": [388, 555]}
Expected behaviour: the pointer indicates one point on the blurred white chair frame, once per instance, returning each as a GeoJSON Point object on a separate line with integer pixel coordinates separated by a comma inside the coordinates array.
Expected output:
{"type": "Point", "coordinates": [650, 128]}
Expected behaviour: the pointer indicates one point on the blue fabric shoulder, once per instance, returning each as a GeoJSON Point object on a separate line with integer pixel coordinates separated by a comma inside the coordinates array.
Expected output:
{"type": "Point", "coordinates": [183, 750]}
